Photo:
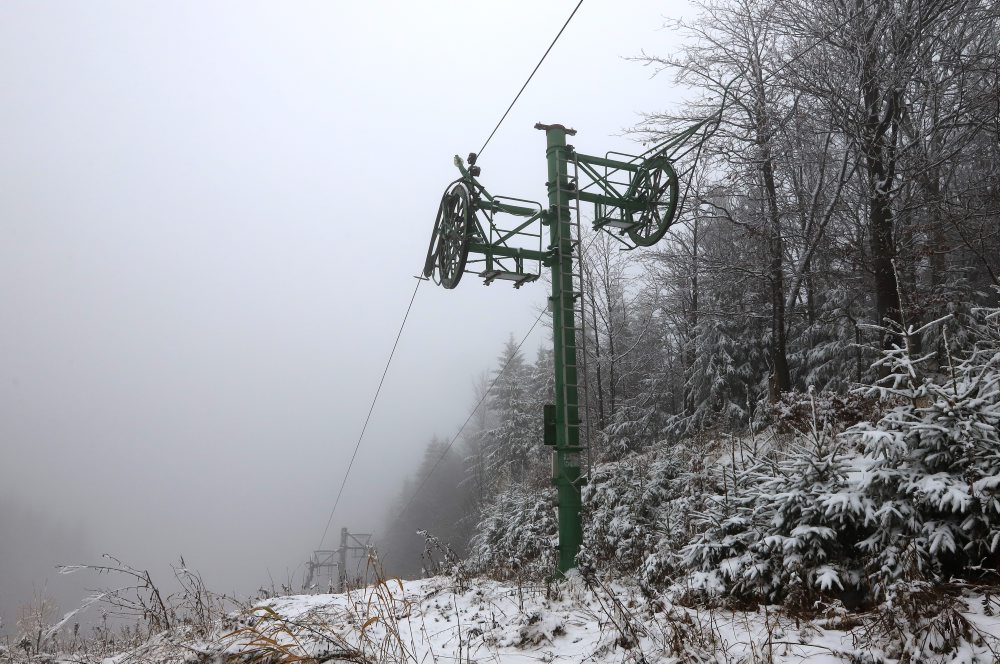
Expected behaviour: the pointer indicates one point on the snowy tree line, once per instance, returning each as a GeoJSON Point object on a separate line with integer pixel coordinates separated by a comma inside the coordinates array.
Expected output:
{"type": "Point", "coordinates": [854, 178]}
{"type": "Point", "coordinates": [864, 497]}
{"type": "Point", "coordinates": [850, 197]}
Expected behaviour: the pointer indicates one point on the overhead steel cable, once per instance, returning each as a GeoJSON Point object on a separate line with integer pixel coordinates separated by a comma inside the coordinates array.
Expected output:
{"type": "Point", "coordinates": [479, 404]}
{"type": "Point", "coordinates": [475, 409]}
{"type": "Point", "coordinates": [368, 418]}
{"type": "Point", "coordinates": [518, 95]}
{"type": "Point", "coordinates": [372, 408]}
{"type": "Point", "coordinates": [448, 447]}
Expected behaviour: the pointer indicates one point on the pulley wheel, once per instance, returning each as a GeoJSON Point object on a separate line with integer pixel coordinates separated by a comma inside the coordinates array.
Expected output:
{"type": "Point", "coordinates": [432, 251]}
{"type": "Point", "coordinates": [453, 231]}
{"type": "Point", "coordinates": [655, 188]}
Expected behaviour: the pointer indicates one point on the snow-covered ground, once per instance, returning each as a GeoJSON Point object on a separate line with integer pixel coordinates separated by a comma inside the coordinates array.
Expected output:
{"type": "Point", "coordinates": [439, 620]}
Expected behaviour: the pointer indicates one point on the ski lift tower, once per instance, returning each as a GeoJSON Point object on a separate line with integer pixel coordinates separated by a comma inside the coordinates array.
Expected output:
{"type": "Point", "coordinates": [635, 199]}
{"type": "Point", "coordinates": [323, 562]}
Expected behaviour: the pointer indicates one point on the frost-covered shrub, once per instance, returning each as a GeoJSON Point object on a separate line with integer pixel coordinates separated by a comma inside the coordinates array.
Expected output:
{"type": "Point", "coordinates": [913, 497]}
{"type": "Point", "coordinates": [786, 533]}
{"type": "Point", "coordinates": [932, 467]}
{"type": "Point", "coordinates": [517, 535]}
{"type": "Point", "coordinates": [638, 512]}
{"type": "Point", "coordinates": [927, 624]}
{"type": "Point", "coordinates": [730, 525]}
{"type": "Point", "coordinates": [621, 501]}
{"type": "Point", "coordinates": [813, 518]}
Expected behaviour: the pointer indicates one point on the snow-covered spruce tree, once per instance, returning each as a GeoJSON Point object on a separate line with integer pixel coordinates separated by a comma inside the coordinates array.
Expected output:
{"type": "Point", "coordinates": [652, 368]}
{"type": "Point", "coordinates": [725, 385]}
{"type": "Point", "coordinates": [516, 536]}
{"type": "Point", "coordinates": [674, 524]}
{"type": "Point", "coordinates": [787, 532]}
{"type": "Point", "coordinates": [515, 438]}
{"type": "Point", "coordinates": [728, 526]}
{"type": "Point", "coordinates": [828, 353]}
{"type": "Point", "coordinates": [815, 514]}
{"type": "Point", "coordinates": [932, 466]}
{"type": "Point", "coordinates": [444, 507]}
{"type": "Point", "coordinates": [639, 507]}
{"type": "Point", "coordinates": [541, 390]}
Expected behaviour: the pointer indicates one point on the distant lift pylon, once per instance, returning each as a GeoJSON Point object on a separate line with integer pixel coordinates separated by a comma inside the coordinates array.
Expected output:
{"type": "Point", "coordinates": [324, 562]}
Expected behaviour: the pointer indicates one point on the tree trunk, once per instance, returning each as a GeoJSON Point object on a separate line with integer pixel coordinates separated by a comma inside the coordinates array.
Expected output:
{"type": "Point", "coordinates": [880, 163]}
{"type": "Point", "coordinates": [780, 378]}
{"type": "Point", "coordinates": [601, 419]}
{"type": "Point", "coordinates": [690, 349]}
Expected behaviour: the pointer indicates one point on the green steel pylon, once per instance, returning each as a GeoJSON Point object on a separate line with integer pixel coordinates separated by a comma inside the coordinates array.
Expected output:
{"type": "Point", "coordinates": [562, 303]}
{"type": "Point", "coordinates": [635, 199]}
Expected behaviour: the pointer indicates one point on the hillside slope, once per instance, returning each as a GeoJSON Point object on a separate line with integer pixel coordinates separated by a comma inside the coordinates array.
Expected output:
{"type": "Point", "coordinates": [444, 620]}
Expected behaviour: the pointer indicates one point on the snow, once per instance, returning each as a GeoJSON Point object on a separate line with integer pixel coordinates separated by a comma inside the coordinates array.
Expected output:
{"type": "Point", "coordinates": [440, 619]}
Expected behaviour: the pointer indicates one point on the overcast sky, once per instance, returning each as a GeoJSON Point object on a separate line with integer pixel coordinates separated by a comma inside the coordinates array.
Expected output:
{"type": "Point", "coordinates": [211, 215]}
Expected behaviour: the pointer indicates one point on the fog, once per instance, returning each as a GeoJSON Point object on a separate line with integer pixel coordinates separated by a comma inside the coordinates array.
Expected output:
{"type": "Point", "coordinates": [212, 213]}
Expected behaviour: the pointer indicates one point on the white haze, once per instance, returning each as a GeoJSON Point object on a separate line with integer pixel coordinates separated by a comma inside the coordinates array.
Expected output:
{"type": "Point", "coordinates": [211, 213]}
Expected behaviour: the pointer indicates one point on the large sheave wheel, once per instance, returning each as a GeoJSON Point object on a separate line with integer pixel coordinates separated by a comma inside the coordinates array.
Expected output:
{"type": "Point", "coordinates": [449, 248]}
{"type": "Point", "coordinates": [655, 187]}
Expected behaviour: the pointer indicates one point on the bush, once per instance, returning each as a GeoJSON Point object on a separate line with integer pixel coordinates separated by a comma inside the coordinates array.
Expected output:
{"type": "Point", "coordinates": [909, 499]}
{"type": "Point", "coordinates": [932, 467]}
{"type": "Point", "coordinates": [517, 535]}
{"type": "Point", "coordinates": [637, 512]}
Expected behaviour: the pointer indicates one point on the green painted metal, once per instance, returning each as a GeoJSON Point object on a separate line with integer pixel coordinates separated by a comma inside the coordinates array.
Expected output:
{"type": "Point", "coordinates": [549, 424]}
{"type": "Point", "coordinates": [634, 197]}
{"type": "Point", "coordinates": [616, 164]}
{"type": "Point", "coordinates": [566, 462]}
{"type": "Point", "coordinates": [615, 201]}
{"type": "Point", "coordinates": [510, 252]}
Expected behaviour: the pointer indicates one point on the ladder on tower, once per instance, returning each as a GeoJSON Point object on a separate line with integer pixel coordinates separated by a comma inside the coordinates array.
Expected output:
{"type": "Point", "coordinates": [577, 324]}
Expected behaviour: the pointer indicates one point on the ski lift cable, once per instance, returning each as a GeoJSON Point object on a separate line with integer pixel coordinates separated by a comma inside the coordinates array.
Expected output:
{"type": "Point", "coordinates": [472, 413]}
{"type": "Point", "coordinates": [385, 371]}
{"type": "Point", "coordinates": [714, 119]}
{"type": "Point", "coordinates": [530, 76]}
{"type": "Point", "coordinates": [479, 404]}
{"type": "Point", "coordinates": [368, 418]}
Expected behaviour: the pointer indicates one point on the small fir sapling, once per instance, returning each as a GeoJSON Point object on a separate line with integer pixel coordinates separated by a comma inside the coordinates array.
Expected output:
{"type": "Point", "coordinates": [717, 558]}
{"type": "Point", "coordinates": [638, 512]}
{"type": "Point", "coordinates": [785, 534]}
{"type": "Point", "coordinates": [932, 466]}
{"type": "Point", "coordinates": [516, 535]}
